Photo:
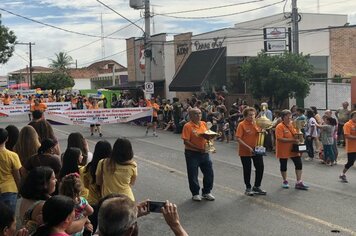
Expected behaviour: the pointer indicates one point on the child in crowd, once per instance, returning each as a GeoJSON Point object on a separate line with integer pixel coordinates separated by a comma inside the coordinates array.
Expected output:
{"type": "Point", "coordinates": [8, 222]}
{"type": "Point", "coordinates": [118, 173]}
{"type": "Point", "coordinates": [71, 186]}
{"type": "Point", "coordinates": [226, 130]}
{"type": "Point", "coordinates": [58, 215]}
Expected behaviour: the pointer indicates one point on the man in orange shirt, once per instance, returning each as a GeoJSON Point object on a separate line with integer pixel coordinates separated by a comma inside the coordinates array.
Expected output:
{"type": "Point", "coordinates": [247, 136]}
{"type": "Point", "coordinates": [152, 103]}
{"type": "Point", "coordinates": [350, 138]}
{"type": "Point", "coordinates": [197, 157]}
{"type": "Point", "coordinates": [285, 138]}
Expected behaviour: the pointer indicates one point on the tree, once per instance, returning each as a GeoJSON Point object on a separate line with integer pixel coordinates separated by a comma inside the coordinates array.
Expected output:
{"type": "Point", "coordinates": [62, 62]}
{"type": "Point", "coordinates": [54, 81]}
{"type": "Point", "coordinates": [277, 77]}
{"type": "Point", "coordinates": [7, 44]}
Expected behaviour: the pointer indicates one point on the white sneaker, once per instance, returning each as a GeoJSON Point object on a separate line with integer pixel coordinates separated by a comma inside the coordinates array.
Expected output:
{"type": "Point", "coordinates": [208, 196]}
{"type": "Point", "coordinates": [196, 198]}
{"type": "Point", "coordinates": [155, 134]}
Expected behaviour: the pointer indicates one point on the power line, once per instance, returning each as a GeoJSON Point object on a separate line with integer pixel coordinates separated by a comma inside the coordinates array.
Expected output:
{"type": "Point", "coordinates": [211, 8]}
{"type": "Point", "coordinates": [88, 44]}
{"type": "Point", "coordinates": [56, 27]}
{"type": "Point", "coordinates": [217, 16]}
{"type": "Point", "coordinates": [120, 15]}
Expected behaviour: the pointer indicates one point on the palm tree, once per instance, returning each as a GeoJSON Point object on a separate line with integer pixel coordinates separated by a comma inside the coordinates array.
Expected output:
{"type": "Point", "coordinates": [62, 62]}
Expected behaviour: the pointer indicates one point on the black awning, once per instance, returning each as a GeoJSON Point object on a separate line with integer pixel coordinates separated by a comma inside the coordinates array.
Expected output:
{"type": "Point", "coordinates": [197, 68]}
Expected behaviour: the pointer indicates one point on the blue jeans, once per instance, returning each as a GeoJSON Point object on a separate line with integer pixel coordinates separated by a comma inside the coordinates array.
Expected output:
{"type": "Point", "coordinates": [328, 153]}
{"type": "Point", "coordinates": [10, 200]}
{"type": "Point", "coordinates": [195, 160]}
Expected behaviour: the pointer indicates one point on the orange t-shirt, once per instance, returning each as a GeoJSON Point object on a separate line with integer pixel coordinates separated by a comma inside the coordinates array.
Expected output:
{"type": "Point", "coordinates": [191, 133]}
{"type": "Point", "coordinates": [6, 101]}
{"type": "Point", "coordinates": [284, 149]}
{"type": "Point", "coordinates": [154, 106]}
{"type": "Point", "coordinates": [248, 132]}
{"type": "Point", "coordinates": [350, 129]}
{"type": "Point", "coordinates": [39, 107]}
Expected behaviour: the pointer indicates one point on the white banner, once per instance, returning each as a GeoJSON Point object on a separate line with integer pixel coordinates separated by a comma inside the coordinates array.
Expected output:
{"type": "Point", "coordinates": [99, 116]}
{"type": "Point", "coordinates": [21, 109]}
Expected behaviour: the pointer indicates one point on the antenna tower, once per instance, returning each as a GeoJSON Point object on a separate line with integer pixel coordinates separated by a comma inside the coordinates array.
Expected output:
{"type": "Point", "coordinates": [102, 37]}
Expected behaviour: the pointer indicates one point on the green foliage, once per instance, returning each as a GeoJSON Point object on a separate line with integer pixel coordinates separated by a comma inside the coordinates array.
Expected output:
{"type": "Point", "coordinates": [7, 44]}
{"type": "Point", "coordinates": [62, 62]}
{"type": "Point", "coordinates": [277, 77]}
{"type": "Point", "coordinates": [54, 81]}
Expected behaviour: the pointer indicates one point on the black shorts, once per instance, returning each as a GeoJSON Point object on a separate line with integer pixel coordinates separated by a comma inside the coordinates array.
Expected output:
{"type": "Point", "coordinates": [93, 125]}
{"type": "Point", "coordinates": [154, 119]}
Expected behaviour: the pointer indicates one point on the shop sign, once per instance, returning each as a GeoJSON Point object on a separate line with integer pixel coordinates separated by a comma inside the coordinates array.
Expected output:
{"type": "Point", "coordinates": [206, 45]}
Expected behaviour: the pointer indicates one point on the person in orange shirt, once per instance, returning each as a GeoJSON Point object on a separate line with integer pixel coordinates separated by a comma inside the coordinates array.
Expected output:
{"type": "Point", "coordinates": [38, 105]}
{"type": "Point", "coordinates": [285, 138]}
{"type": "Point", "coordinates": [247, 136]}
{"type": "Point", "coordinates": [350, 138]}
{"type": "Point", "coordinates": [197, 157]}
{"type": "Point", "coordinates": [94, 127]}
{"type": "Point", "coordinates": [6, 100]}
{"type": "Point", "coordinates": [152, 103]}
{"type": "Point", "coordinates": [29, 102]}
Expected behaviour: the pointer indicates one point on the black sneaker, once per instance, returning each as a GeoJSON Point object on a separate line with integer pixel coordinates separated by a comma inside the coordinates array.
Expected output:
{"type": "Point", "coordinates": [249, 192]}
{"type": "Point", "coordinates": [258, 191]}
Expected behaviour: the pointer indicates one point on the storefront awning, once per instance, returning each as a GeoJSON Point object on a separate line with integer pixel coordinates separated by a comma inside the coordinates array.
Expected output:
{"type": "Point", "coordinates": [196, 69]}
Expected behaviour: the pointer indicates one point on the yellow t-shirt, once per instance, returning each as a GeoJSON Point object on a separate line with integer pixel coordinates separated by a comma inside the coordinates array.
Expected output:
{"type": "Point", "coordinates": [119, 180]}
{"type": "Point", "coordinates": [84, 192]}
{"type": "Point", "coordinates": [9, 161]}
{"type": "Point", "coordinates": [94, 190]}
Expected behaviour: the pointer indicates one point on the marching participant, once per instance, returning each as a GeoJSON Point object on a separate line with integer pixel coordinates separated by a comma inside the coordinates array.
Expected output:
{"type": "Point", "coordinates": [247, 136]}
{"type": "Point", "coordinates": [94, 127]}
{"type": "Point", "coordinates": [350, 137]}
{"type": "Point", "coordinates": [285, 138]}
{"type": "Point", "coordinates": [197, 157]}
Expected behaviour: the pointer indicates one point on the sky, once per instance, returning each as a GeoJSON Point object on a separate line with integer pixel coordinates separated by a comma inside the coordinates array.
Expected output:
{"type": "Point", "coordinates": [77, 24]}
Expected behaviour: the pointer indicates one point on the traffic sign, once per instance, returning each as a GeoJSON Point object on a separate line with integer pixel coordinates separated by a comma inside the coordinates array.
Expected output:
{"type": "Point", "coordinates": [149, 87]}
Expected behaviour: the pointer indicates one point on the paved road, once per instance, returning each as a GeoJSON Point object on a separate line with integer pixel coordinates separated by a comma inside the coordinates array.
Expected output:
{"type": "Point", "coordinates": [328, 205]}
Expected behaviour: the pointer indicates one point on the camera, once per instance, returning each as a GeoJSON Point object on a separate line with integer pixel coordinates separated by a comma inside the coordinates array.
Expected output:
{"type": "Point", "coordinates": [154, 206]}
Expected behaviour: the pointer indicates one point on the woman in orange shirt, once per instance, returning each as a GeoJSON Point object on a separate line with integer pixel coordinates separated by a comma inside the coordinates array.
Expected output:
{"type": "Point", "coordinates": [247, 136]}
{"type": "Point", "coordinates": [97, 126]}
{"type": "Point", "coordinates": [285, 138]}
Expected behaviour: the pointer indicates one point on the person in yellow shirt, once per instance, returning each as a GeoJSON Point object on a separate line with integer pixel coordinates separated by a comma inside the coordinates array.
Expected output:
{"type": "Point", "coordinates": [9, 173]}
{"type": "Point", "coordinates": [197, 157]}
{"type": "Point", "coordinates": [118, 173]}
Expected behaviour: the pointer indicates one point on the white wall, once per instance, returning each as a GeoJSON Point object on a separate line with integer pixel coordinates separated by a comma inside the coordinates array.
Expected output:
{"type": "Point", "coordinates": [82, 84]}
{"type": "Point", "coordinates": [169, 68]}
{"type": "Point", "coordinates": [337, 94]}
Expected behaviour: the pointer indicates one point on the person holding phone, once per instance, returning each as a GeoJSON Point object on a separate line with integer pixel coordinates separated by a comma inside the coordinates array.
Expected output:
{"type": "Point", "coordinates": [118, 216]}
{"type": "Point", "coordinates": [197, 157]}
{"type": "Point", "coordinates": [247, 135]}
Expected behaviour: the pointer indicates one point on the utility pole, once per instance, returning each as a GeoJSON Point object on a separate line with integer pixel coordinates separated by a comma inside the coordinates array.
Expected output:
{"type": "Point", "coordinates": [30, 55]}
{"type": "Point", "coordinates": [147, 41]}
{"type": "Point", "coordinates": [295, 28]}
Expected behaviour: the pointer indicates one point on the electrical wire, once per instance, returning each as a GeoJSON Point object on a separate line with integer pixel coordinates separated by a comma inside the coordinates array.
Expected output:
{"type": "Point", "coordinates": [211, 8]}
{"type": "Point", "coordinates": [56, 27]}
{"type": "Point", "coordinates": [121, 15]}
{"type": "Point", "coordinates": [88, 44]}
{"type": "Point", "coordinates": [218, 16]}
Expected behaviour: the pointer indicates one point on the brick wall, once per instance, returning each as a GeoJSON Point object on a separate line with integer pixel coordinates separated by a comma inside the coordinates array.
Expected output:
{"type": "Point", "coordinates": [343, 51]}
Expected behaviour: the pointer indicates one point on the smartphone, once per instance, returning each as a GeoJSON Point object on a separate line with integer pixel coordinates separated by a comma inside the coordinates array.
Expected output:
{"type": "Point", "coordinates": [154, 206]}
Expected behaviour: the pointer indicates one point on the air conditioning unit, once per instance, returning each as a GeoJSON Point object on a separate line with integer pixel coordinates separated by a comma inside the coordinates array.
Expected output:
{"type": "Point", "coordinates": [137, 4]}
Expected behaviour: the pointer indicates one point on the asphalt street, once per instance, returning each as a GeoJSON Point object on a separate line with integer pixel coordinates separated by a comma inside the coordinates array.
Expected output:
{"type": "Point", "coordinates": [328, 208]}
